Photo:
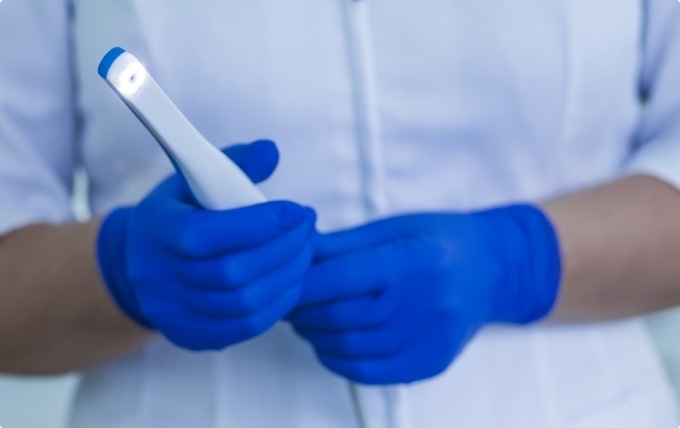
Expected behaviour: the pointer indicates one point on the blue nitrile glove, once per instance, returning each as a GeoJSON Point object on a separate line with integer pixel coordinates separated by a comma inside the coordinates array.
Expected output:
{"type": "Point", "coordinates": [208, 279]}
{"type": "Point", "coordinates": [396, 300]}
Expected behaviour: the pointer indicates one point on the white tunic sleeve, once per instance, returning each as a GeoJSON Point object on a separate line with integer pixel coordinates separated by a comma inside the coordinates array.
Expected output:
{"type": "Point", "coordinates": [37, 116]}
{"type": "Point", "coordinates": [657, 146]}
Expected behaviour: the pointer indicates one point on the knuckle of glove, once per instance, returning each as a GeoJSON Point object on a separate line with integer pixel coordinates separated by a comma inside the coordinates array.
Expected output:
{"type": "Point", "coordinates": [254, 325]}
{"type": "Point", "coordinates": [437, 365]}
{"type": "Point", "coordinates": [362, 372]}
{"type": "Point", "coordinates": [346, 345]}
{"type": "Point", "coordinates": [187, 239]}
{"type": "Point", "coordinates": [232, 274]}
{"type": "Point", "coordinates": [359, 371]}
{"type": "Point", "coordinates": [246, 303]}
{"type": "Point", "coordinates": [290, 215]}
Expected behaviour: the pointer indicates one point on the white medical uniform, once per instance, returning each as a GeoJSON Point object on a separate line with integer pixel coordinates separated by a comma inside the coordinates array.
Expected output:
{"type": "Point", "coordinates": [379, 107]}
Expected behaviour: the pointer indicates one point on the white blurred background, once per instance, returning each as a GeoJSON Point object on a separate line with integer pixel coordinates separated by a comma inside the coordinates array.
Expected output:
{"type": "Point", "coordinates": [35, 402]}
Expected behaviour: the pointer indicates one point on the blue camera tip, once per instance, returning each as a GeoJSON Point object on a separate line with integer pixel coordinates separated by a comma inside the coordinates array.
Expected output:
{"type": "Point", "coordinates": [108, 60]}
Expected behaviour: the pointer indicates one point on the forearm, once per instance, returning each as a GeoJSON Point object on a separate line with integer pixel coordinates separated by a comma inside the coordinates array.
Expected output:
{"type": "Point", "coordinates": [55, 314]}
{"type": "Point", "coordinates": [620, 246]}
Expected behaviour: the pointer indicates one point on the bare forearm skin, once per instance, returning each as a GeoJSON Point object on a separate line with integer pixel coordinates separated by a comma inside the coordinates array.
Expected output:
{"type": "Point", "coordinates": [620, 249]}
{"type": "Point", "coordinates": [55, 313]}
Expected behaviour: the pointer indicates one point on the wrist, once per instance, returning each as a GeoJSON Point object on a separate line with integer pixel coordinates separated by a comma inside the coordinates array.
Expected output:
{"type": "Point", "coordinates": [528, 251]}
{"type": "Point", "coordinates": [111, 258]}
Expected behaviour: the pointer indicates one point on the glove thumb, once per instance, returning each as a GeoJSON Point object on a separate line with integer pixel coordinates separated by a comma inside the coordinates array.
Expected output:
{"type": "Point", "coordinates": [258, 159]}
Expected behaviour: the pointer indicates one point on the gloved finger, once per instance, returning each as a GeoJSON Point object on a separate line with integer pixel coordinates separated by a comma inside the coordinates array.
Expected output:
{"type": "Point", "coordinates": [173, 191]}
{"type": "Point", "coordinates": [366, 271]}
{"type": "Point", "coordinates": [257, 159]}
{"type": "Point", "coordinates": [362, 312]}
{"type": "Point", "coordinates": [366, 236]}
{"type": "Point", "coordinates": [249, 299]}
{"type": "Point", "coordinates": [233, 270]}
{"type": "Point", "coordinates": [198, 334]}
{"type": "Point", "coordinates": [416, 361]}
{"type": "Point", "coordinates": [201, 234]}
{"type": "Point", "coordinates": [381, 341]}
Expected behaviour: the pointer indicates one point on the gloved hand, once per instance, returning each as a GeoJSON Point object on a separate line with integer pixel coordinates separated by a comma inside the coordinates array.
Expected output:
{"type": "Point", "coordinates": [208, 279]}
{"type": "Point", "coordinates": [396, 301]}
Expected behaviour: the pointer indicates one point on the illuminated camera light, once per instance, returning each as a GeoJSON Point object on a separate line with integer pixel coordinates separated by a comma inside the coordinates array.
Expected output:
{"type": "Point", "coordinates": [131, 79]}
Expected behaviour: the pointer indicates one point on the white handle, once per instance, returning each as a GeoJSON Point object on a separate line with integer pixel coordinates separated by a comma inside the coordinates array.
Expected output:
{"type": "Point", "coordinates": [217, 183]}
